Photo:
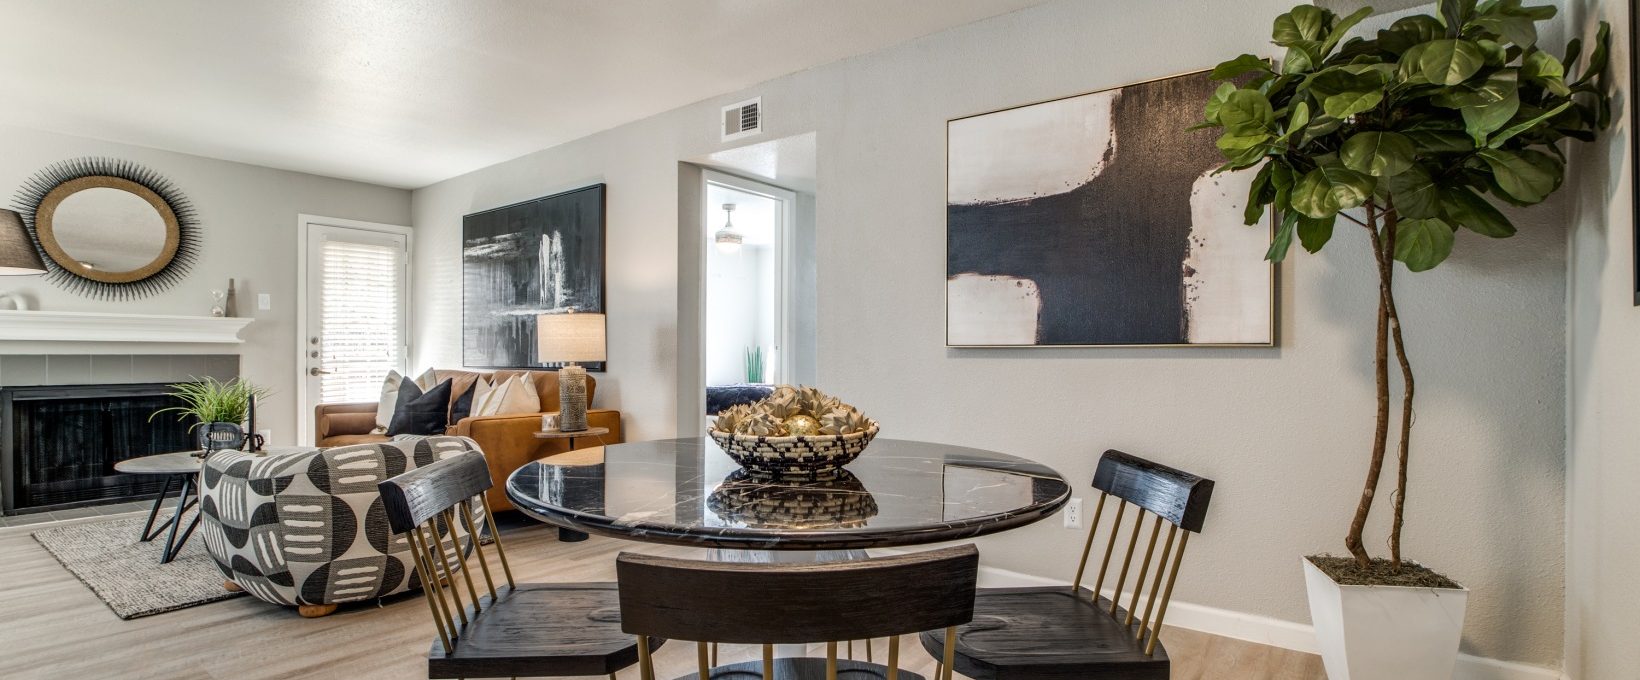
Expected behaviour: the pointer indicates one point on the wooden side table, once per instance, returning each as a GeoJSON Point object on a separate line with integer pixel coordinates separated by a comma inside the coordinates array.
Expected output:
{"type": "Point", "coordinates": [598, 432]}
{"type": "Point", "coordinates": [571, 535]}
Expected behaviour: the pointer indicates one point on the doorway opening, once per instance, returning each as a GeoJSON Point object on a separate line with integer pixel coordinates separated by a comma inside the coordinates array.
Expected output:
{"type": "Point", "coordinates": [748, 241]}
{"type": "Point", "coordinates": [747, 248]}
{"type": "Point", "coordinates": [353, 322]}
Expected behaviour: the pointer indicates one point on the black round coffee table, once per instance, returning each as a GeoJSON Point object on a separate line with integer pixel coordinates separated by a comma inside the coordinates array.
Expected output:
{"type": "Point", "coordinates": [688, 492]}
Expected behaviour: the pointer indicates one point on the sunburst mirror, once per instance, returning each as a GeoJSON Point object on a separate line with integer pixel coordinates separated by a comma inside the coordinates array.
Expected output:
{"type": "Point", "coordinates": [109, 228]}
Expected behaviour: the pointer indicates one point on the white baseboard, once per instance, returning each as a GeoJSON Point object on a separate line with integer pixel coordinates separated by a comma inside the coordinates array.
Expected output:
{"type": "Point", "coordinates": [1276, 632]}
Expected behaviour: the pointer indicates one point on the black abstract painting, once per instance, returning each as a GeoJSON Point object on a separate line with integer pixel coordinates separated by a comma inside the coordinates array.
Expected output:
{"type": "Point", "coordinates": [544, 256]}
{"type": "Point", "coordinates": [1096, 220]}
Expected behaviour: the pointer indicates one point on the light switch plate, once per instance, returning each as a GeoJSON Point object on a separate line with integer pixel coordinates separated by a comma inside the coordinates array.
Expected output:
{"type": "Point", "coordinates": [264, 301]}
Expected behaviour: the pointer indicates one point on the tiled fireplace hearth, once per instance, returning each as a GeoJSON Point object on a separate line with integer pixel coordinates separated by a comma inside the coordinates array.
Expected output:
{"type": "Point", "coordinates": [65, 419]}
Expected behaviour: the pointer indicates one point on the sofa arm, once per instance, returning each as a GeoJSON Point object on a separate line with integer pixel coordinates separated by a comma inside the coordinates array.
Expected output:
{"type": "Point", "coordinates": [333, 420]}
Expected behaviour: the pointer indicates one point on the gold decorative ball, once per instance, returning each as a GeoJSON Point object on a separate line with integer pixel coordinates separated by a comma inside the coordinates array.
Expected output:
{"type": "Point", "coordinates": [802, 426]}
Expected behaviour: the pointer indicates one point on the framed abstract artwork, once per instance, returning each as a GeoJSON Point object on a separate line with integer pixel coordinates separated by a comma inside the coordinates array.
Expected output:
{"type": "Point", "coordinates": [1096, 220]}
{"type": "Point", "coordinates": [543, 256]}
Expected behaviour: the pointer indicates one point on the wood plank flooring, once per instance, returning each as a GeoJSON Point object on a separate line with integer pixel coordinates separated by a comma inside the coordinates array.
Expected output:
{"type": "Point", "coordinates": [54, 627]}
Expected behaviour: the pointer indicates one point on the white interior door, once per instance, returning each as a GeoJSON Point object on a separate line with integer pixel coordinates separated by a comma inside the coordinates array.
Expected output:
{"type": "Point", "coordinates": [356, 313]}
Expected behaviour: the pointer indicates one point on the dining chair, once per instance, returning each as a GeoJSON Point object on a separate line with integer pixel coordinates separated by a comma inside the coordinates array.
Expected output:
{"type": "Point", "coordinates": [772, 604]}
{"type": "Point", "coordinates": [1060, 633]}
{"type": "Point", "coordinates": [505, 629]}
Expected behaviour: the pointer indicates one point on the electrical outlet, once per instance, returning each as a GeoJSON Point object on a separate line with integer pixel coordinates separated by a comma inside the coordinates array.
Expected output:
{"type": "Point", "coordinates": [1073, 514]}
{"type": "Point", "coordinates": [264, 301]}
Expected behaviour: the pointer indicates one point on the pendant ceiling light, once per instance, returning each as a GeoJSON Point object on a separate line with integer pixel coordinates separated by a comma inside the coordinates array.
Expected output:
{"type": "Point", "coordinates": [727, 239]}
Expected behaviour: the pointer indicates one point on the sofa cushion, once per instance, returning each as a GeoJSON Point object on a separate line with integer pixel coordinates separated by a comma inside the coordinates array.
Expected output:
{"type": "Point", "coordinates": [421, 412]}
{"type": "Point", "coordinates": [505, 397]}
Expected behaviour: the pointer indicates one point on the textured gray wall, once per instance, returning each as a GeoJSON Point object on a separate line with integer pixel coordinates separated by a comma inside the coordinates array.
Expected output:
{"type": "Point", "coordinates": [1603, 470]}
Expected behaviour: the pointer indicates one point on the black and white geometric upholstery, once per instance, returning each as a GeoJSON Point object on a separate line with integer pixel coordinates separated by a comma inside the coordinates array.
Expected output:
{"type": "Point", "coordinates": [308, 528]}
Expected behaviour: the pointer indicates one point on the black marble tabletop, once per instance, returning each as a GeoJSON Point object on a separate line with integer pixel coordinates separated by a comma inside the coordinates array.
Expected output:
{"type": "Point", "coordinates": [688, 492]}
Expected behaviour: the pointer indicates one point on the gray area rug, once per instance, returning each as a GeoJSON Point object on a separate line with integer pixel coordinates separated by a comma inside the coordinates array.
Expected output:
{"type": "Point", "coordinates": [126, 574]}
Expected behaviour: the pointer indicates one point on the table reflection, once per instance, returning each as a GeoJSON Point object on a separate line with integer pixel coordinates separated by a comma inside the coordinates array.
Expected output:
{"type": "Point", "coordinates": [754, 501]}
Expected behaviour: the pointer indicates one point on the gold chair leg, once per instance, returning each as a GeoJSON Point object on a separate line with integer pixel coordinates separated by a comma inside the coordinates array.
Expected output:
{"type": "Point", "coordinates": [950, 650]}
{"type": "Point", "coordinates": [768, 662]}
{"type": "Point", "coordinates": [831, 659]}
{"type": "Point", "coordinates": [702, 661]}
{"type": "Point", "coordinates": [646, 664]}
{"type": "Point", "coordinates": [894, 658]}
{"type": "Point", "coordinates": [714, 654]}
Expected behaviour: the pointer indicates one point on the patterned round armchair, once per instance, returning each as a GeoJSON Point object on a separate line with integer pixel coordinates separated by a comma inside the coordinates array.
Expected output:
{"type": "Point", "coordinates": [308, 529]}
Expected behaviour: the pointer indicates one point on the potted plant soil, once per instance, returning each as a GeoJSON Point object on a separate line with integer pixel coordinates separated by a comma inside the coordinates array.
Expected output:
{"type": "Point", "coordinates": [1413, 135]}
{"type": "Point", "coordinates": [220, 409]}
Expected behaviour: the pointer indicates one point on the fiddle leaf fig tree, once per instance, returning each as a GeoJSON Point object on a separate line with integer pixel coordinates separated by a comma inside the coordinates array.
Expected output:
{"type": "Point", "coordinates": [1415, 135]}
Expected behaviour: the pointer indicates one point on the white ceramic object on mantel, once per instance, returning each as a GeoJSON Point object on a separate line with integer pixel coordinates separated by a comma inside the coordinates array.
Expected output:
{"type": "Point", "coordinates": [1385, 632]}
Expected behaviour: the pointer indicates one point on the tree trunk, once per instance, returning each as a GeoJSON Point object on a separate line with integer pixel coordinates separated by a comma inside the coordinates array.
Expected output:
{"type": "Point", "coordinates": [1381, 371]}
{"type": "Point", "coordinates": [1403, 445]}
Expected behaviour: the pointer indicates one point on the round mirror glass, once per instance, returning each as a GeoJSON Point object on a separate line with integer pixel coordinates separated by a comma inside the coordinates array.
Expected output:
{"type": "Point", "coordinates": [109, 230]}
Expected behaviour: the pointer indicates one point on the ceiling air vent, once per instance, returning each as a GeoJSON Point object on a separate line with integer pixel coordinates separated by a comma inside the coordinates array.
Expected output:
{"type": "Point", "coordinates": [743, 119]}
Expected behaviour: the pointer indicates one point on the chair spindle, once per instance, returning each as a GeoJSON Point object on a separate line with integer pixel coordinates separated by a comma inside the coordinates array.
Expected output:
{"type": "Point", "coordinates": [1087, 547]}
{"type": "Point", "coordinates": [1127, 561]}
{"type": "Point", "coordinates": [478, 546]}
{"type": "Point", "coordinates": [1167, 594]}
{"type": "Point", "coordinates": [444, 564]}
{"type": "Point", "coordinates": [461, 558]}
{"type": "Point", "coordinates": [433, 601]}
{"type": "Point", "coordinates": [1144, 570]}
{"type": "Point", "coordinates": [500, 551]}
{"type": "Point", "coordinates": [1110, 547]}
{"type": "Point", "coordinates": [1156, 583]}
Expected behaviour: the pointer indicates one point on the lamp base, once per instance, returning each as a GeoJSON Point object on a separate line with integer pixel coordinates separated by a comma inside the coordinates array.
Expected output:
{"type": "Point", "coordinates": [572, 398]}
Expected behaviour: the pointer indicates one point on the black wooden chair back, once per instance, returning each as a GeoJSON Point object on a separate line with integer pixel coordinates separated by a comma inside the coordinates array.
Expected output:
{"type": "Point", "coordinates": [769, 604]}
{"type": "Point", "coordinates": [1172, 497]}
{"type": "Point", "coordinates": [428, 504]}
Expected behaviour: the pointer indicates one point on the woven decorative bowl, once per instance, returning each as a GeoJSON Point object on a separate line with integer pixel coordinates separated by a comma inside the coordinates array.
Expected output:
{"type": "Point", "coordinates": [805, 457]}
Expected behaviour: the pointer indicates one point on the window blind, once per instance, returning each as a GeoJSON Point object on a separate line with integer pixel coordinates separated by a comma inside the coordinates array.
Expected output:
{"type": "Point", "coordinates": [361, 302]}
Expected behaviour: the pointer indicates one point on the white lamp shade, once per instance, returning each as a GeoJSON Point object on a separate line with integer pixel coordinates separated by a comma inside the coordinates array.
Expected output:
{"type": "Point", "coordinates": [569, 338]}
{"type": "Point", "coordinates": [17, 254]}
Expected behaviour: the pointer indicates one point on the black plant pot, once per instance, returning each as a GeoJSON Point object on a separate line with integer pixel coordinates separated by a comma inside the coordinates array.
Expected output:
{"type": "Point", "coordinates": [219, 437]}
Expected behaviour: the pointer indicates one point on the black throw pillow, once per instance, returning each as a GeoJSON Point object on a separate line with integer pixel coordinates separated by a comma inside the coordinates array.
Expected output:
{"type": "Point", "coordinates": [463, 406]}
{"type": "Point", "coordinates": [420, 412]}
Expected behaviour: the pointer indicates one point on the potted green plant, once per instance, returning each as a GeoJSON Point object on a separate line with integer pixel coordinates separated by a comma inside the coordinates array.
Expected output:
{"type": "Point", "coordinates": [1415, 135]}
{"type": "Point", "coordinates": [219, 408]}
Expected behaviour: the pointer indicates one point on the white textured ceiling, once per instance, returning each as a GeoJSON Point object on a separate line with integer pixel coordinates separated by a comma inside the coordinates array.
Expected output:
{"type": "Point", "coordinates": [409, 92]}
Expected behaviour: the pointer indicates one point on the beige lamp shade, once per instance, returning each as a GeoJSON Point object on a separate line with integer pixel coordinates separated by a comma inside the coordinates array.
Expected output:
{"type": "Point", "coordinates": [17, 254]}
{"type": "Point", "coordinates": [572, 337]}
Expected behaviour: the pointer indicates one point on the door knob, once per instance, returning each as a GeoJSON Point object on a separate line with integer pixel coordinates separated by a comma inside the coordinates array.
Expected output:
{"type": "Point", "coordinates": [316, 372]}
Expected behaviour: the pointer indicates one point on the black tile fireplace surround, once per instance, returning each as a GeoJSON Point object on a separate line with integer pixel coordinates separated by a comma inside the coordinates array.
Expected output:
{"type": "Point", "coordinates": [65, 419]}
{"type": "Point", "coordinates": [59, 443]}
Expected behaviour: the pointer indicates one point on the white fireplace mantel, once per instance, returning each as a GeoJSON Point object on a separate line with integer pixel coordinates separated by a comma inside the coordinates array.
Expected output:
{"type": "Point", "coordinates": [102, 327]}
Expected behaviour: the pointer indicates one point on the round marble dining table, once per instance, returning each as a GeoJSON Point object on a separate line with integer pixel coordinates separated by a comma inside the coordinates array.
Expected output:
{"type": "Point", "coordinates": [688, 492]}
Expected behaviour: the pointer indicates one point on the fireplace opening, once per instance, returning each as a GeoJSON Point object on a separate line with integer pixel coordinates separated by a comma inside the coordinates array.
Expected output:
{"type": "Point", "coordinates": [59, 444]}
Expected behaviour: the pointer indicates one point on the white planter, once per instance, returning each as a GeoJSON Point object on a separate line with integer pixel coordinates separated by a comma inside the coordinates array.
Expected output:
{"type": "Point", "coordinates": [1385, 632]}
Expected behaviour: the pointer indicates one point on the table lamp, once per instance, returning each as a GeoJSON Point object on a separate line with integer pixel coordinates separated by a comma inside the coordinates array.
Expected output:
{"type": "Point", "coordinates": [570, 338]}
{"type": "Point", "coordinates": [17, 254]}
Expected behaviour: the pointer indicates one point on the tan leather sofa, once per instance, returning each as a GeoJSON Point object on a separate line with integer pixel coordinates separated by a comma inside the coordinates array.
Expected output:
{"type": "Point", "coordinates": [508, 442]}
